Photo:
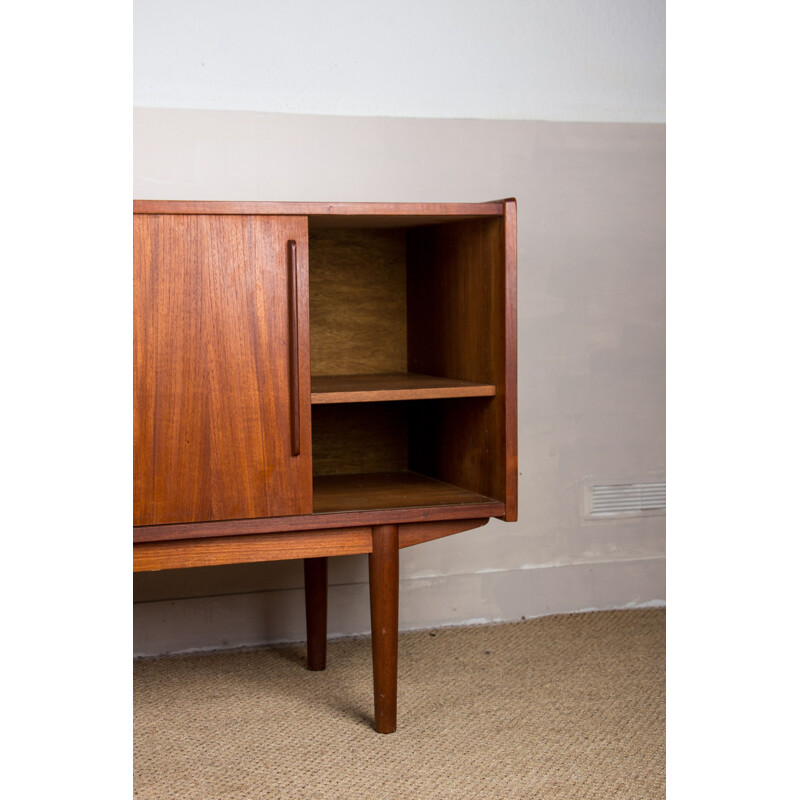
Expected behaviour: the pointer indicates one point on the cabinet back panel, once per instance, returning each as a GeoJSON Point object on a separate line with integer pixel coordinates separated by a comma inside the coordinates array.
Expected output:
{"type": "Point", "coordinates": [358, 301]}
{"type": "Point", "coordinates": [356, 438]}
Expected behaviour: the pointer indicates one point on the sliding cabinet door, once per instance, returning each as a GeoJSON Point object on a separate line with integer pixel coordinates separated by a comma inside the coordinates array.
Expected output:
{"type": "Point", "coordinates": [222, 420]}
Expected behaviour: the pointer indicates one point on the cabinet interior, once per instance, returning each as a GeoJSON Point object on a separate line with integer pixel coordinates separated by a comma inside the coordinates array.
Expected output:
{"type": "Point", "coordinates": [407, 364]}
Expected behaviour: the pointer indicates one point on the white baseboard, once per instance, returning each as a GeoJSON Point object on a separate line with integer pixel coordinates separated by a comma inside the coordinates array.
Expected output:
{"type": "Point", "coordinates": [271, 617]}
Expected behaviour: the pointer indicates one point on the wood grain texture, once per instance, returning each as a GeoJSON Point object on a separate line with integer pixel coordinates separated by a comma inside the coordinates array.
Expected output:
{"type": "Point", "coordinates": [360, 213]}
{"type": "Point", "coordinates": [458, 328]}
{"type": "Point", "coordinates": [392, 386]}
{"type": "Point", "coordinates": [388, 491]}
{"type": "Point", "coordinates": [151, 556]}
{"type": "Point", "coordinates": [313, 546]}
{"type": "Point", "coordinates": [315, 572]}
{"type": "Point", "coordinates": [510, 398]}
{"type": "Point", "coordinates": [309, 522]}
{"type": "Point", "coordinates": [352, 439]}
{"type": "Point", "coordinates": [211, 373]}
{"type": "Point", "coordinates": [357, 301]}
{"type": "Point", "coordinates": [419, 532]}
{"type": "Point", "coordinates": [383, 600]}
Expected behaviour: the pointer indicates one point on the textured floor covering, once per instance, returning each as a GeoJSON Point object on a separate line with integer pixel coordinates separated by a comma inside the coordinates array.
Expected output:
{"type": "Point", "coordinates": [568, 706]}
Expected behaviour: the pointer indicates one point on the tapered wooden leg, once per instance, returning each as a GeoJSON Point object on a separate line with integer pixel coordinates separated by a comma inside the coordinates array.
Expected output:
{"type": "Point", "coordinates": [383, 598]}
{"type": "Point", "coordinates": [316, 581]}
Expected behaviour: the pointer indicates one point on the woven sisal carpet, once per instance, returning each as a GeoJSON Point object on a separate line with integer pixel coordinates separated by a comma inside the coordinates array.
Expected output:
{"type": "Point", "coordinates": [560, 707]}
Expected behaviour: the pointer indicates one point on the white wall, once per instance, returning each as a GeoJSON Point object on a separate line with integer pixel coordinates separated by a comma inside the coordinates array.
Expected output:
{"type": "Point", "coordinates": [574, 60]}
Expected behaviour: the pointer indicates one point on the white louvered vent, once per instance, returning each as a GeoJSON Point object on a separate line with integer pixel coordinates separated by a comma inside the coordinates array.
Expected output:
{"type": "Point", "coordinates": [627, 499]}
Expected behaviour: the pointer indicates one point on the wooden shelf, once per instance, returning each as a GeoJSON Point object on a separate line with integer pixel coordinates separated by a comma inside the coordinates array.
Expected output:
{"type": "Point", "coordinates": [392, 386]}
{"type": "Point", "coordinates": [393, 490]}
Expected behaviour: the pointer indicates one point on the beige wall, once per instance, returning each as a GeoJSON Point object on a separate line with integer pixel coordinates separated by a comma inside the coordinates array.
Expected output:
{"type": "Point", "coordinates": [591, 357]}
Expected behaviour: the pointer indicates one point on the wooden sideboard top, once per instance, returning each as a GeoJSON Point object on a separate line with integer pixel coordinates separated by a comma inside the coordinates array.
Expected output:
{"type": "Point", "coordinates": [333, 214]}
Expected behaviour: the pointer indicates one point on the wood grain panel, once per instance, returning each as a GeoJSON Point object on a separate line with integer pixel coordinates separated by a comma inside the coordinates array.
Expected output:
{"type": "Point", "coordinates": [211, 370]}
{"type": "Point", "coordinates": [359, 213]}
{"type": "Point", "coordinates": [387, 490]}
{"type": "Point", "coordinates": [358, 302]}
{"type": "Point", "coordinates": [215, 551]}
{"type": "Point", "coordinates": [481, 507]}
{"type": "Point", "coordinates": [510, 394]}
{"type": "Point", "coordinates": [419, 532]}
{"type": "Point", "coordinates": [392, 386]}
{"type": "Point", "coordinates": [348, 439]}
{"type": "Point", "coordinates": [152, 556]}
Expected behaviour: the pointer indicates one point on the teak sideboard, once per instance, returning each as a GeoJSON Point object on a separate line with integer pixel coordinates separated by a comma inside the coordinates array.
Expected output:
{"type": "Point", "coordinates": [322, 379]}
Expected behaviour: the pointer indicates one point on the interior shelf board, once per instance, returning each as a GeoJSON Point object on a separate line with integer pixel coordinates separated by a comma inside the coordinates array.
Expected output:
{"type": "Point", "coordinates": [391, 490]}
{"type": "Point", "coordinates": [392, 386]}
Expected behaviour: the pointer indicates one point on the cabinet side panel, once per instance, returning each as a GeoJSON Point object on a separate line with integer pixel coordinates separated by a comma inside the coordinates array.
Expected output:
{"type": "Point", "coordinates": [456, 329]}
{"type": "Point", "coordinates": [512, 462]}
{"type": "Point", "coordinates": [211, 427]}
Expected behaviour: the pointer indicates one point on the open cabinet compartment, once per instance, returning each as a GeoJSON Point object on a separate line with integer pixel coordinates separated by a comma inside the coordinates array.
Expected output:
{"type": "Point", "coordinates": [408, 362]}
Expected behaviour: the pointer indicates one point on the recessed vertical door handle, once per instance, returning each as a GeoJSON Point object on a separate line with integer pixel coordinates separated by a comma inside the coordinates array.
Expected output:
{"type": "Point", "coordinates": [294, 358]}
